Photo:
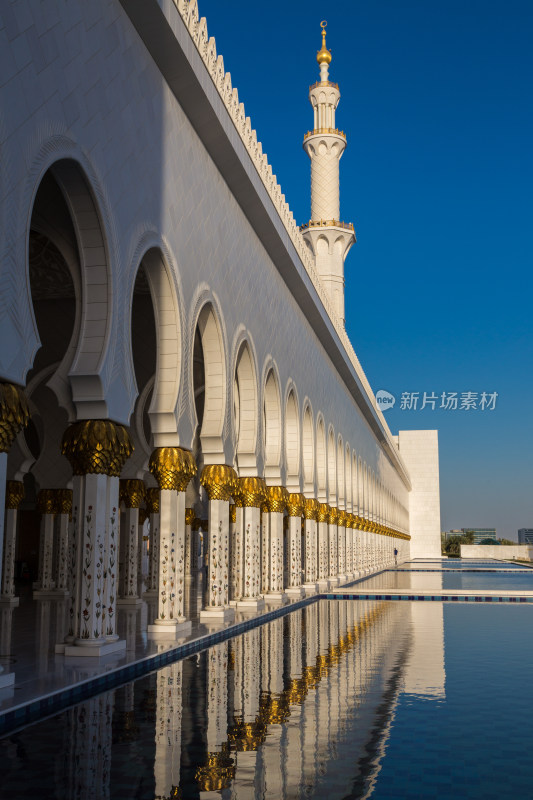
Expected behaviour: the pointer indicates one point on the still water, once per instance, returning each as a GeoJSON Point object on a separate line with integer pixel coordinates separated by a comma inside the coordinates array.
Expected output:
{"type": "Point", "coordinates": [343, 699]}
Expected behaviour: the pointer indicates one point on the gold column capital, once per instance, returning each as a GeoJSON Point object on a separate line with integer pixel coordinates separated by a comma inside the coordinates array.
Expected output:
{"type": "Point", "coordinates": [14, 414]}
{"type": "Point", "coordinates": [220, 481]}
{"type": "Point", "coordinates": [341, 517]}
{"type": "Point", "coordinates": [96, 446]}
{"type": "Point", "coordinates": [132, 492]}
{"type": "Point", "coordinates": [46, 501]}
{"type": "Point", "coordinates": [348, 522]}
{"type": "Point", "coordinates": [295, 504]}
{"type": "Point", "coordinates": [322, 512]}
{"type": "Point", "coordinates": [190, 516]}
{"type": "Point", "coordinates": [276, 498]}
{"type": "Point", "coordinates": [152, 498]}
{"type": "Point", "coordinates": [311, 508]}
{"type": "Point", "coordinates": [251, 491]}
{"type": "Point", "coordinates": [172, 467]}
{"type": "Point", "coordinates": [63, 501]}
{"type": "Point", "coordinates": [14, 494]}
{"type": "Point", "coordinates": [333, 515]}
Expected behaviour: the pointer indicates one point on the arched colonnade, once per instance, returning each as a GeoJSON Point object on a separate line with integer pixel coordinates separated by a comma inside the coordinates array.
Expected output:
{"type": "Point", "coordinates": [207, 443]}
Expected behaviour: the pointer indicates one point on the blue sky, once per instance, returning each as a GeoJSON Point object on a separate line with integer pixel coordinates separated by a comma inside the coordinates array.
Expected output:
{"type": "Point", "coordinates": [437, 178]}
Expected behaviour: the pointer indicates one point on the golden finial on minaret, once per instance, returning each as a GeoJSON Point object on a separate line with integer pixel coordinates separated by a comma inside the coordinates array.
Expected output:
{"type": "Point", "coordinates": [323, 56]}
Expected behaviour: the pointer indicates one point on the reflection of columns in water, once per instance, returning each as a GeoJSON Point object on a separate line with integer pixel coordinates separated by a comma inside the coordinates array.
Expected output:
{"type": "Point", "coordinates": [87, 753]}
{"type": "Point", "coordinates": [168, 731]}
{"type": "Point", "coordinates": [14, 496]}
{"type": "Point", "coordinates": [275, 709]}
{"type": "Point", "coordinates": [218, 771]}
{"type": "Point", "coordinates": [173, 469]}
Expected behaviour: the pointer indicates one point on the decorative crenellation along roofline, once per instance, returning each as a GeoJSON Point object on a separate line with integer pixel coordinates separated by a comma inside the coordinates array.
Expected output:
{"type": "Point", "coordinates": [188, 11]}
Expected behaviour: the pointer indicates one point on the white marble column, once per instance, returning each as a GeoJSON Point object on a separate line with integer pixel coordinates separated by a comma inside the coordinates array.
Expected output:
{"type": "Point", "coordinates": [173, 469]}
{"type": "Point", "coordinates": [46, 507]}
{"type": "Point", "coordinates": [295, 509]}
{"type": "Point", "coordinates": [14, 415]}
{"type": "Point", "coordinates": [97, 451]}
{"type": "Point", "coordinates": [14, 497]}
{"type": "Point", "coordinates": [276, 501]}
{"type": "Point", "coordinates": [333, 563]}
{"type": "Point", "coordinates": [220, 483]}
{"type": "Point", "coordinates": [96, 504]}
{"type": "Point", "coordinates": [349, 547]}
{"type": "Point", "coordinates": [63, 503]}
{"type": "Point", "coordinates": [132, 493]}
{"type": "Point", "coordinates": [152, 506]}
{"type": "Point", "coordinates": [341, 539]}
{"type": "Point", "coordinates": [191, 556]}
{"type": "Point", "coordinates": [251, 492]}
{"type": "Point", "coordinates": [323, 547]}
{"type": "Point", "coordinates": [236, 555]}
{"type": "Point", "coordinates": [310, 511]}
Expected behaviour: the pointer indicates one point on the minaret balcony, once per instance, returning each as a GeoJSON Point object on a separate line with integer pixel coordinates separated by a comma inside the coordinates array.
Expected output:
{"type": "Point", "coordinates": [327, 223]}
{"type": "Point", "coordinates": [325, 131]}
{"type": "Point", "coordinates": [323, 83]}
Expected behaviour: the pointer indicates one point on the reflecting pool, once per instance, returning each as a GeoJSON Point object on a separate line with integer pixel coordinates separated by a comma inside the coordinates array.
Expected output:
{"type": "Point", "coordinates": [340, 699]}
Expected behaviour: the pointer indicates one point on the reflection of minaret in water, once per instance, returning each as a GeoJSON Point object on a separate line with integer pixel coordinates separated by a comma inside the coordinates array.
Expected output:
{"type": "Point", "coordinates": [328, 239]}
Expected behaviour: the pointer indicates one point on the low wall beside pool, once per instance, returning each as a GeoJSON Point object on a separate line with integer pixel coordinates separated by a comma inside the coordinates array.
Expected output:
{"type": "Point", "coordinates": [497, 551]}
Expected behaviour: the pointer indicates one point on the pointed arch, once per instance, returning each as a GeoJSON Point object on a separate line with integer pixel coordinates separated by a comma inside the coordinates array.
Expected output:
{"type": "Point", "coordinates": [348, 476]}
{"type": "Point", "coordinates": [321, 459]}
{"type": "Point", "coordinates": [167, 318]}
{"type": "Point", "coordinates": [245, 408]}
{"type": "Point", "coordinates": [292, 438]}
{"type": "Point", "coordinates": [341, 487]}
{"type": "Point", "coordinates": [308, 449]}
{"type": "Point", "coordinates": [209, 344]}
{"type": "Point", "coordinates": [332, 467]}
{"type": "Point", "coordinates": [272, 426]}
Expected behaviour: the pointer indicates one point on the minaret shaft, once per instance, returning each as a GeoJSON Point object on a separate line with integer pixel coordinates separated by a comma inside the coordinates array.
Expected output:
{"type": "Point", "coordinates": [327, 237]}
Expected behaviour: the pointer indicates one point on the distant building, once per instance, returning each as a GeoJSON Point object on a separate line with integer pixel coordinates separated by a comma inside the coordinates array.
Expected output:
{"type": "Point", "coordinates": [525, 536]}
{"type": "Point", "coordinates": [480, 533]}
{"type": "Point", "coordinates": [449, 534]}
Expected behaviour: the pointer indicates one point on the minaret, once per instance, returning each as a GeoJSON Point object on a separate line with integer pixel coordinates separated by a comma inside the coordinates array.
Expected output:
{"type": "Point", "coordinates": [328, 239]}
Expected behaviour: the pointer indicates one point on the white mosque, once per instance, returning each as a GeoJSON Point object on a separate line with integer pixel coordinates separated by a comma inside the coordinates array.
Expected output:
{"type": "Point", "coordinates": [177, 387]}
